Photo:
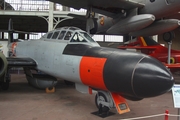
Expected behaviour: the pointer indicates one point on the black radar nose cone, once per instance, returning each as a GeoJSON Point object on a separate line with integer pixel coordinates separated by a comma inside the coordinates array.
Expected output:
{"type": "Point", "coordinates": [151, 78]}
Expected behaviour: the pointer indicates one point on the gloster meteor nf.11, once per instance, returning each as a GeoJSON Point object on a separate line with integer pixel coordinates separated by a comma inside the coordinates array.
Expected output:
{"type": "Point", "coordinates": [71, 54]}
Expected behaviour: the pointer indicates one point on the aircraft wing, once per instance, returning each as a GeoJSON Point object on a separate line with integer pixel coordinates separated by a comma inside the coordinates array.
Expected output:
{"type": "Point", "coordinates": [173, 67]}
{"type": "Point", "coordinates": [137, 47]}
{"type": "Point", "coordinates": [109, 6]}
{"type": "Point", "coordinates": [21, 62]}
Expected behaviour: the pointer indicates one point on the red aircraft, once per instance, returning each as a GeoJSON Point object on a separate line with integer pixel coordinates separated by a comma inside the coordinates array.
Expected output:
{"type": "Point", "coordinates": [150, 47]}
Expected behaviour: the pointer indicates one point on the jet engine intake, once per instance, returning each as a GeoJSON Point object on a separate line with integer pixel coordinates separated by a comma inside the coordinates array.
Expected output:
{"type": "Point", "coordinates": [3, 64]}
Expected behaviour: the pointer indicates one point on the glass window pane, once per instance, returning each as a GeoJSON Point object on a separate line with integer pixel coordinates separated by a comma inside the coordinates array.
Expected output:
{"type": "Point", "coordinates": [68, 35]}
{"type": "Point", "coordinates": [61, 35]}
{"type": "Point", "coordinates": [55, 35]}
{"type": "Point", "coordinates": [49, 35]}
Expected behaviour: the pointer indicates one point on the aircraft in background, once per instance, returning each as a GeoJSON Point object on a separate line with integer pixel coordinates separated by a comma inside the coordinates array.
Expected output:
{"type": "Point", "coordinates": [150, 47]}
{"type": "Point", "coordinates": [127, 17]}
{"type": "Point", "coordinates": [71, 54]}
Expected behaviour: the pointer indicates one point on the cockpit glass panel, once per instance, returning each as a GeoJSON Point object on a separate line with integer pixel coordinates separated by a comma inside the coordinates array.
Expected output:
{"type": "Point", "coordinates": [68, 35]}
{"type": "Point", "coordinates": [78, 38]}
{"type": "Point", "coordinates": [49, 35]}
{"type": "Point", "coordinates": [84, 34]}
{"type": "Point", "coordinates": [61, 35]}
{"type": "Point", "coordinates": [55, 35]}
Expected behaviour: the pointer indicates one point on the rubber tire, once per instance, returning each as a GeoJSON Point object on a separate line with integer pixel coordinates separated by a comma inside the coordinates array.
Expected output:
{"type": "Point", "coordinates": [104, 108]}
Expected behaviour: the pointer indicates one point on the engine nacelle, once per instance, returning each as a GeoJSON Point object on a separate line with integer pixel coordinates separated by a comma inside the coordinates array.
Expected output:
{"type": "Point", "coordinates": [3, 64]}
{"type": "Point", "coordinates": [41, 81]}
{"type": "Point", "coordinates": [132, 23]}
{"type": "Point", "coordinates": [157, 28]}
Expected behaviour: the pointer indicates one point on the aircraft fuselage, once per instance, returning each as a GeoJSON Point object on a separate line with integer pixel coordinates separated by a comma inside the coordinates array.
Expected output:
{"type": "Point", "coordinates": [71, 54]}
{"type": "Point", "coordinates": [89, 64]}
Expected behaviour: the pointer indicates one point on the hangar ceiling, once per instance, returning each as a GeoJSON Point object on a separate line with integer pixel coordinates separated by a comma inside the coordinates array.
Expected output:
{"type": "Point", "coordinates": [24, 23]}
{"type": "Point", "coordinates": [35, 23]}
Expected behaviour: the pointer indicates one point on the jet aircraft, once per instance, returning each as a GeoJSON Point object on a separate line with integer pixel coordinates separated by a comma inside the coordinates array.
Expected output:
{"type": "Point", "coordinates": [150, 47]}
{"type": "Point", "coordinates": [128, 17]}
{"type": "Point", "coordinates": [71, 54]}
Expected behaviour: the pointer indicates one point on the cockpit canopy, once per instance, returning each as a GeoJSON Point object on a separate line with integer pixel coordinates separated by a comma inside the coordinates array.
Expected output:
{"type": "Point", "coordinates": [71, 34]}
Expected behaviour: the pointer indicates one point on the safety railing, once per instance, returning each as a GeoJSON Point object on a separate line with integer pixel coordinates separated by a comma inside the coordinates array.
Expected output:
{"type": "Point", "coordinates": [166, 116]}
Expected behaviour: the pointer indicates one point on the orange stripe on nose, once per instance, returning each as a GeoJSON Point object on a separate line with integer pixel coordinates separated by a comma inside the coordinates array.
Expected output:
{"type": "Point", "coordinates": [91, 72]}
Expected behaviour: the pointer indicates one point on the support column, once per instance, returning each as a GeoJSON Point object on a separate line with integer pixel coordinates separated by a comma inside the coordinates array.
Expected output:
{"type": "Point", "coordinates": [104, 38]}
{"type": "Point", "coordinates": [2, 35]}
{"type": "Point", "coordinates": [51, 16]}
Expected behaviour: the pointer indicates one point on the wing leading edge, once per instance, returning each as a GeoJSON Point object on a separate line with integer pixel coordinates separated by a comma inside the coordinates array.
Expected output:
{"type": "Point", "coordinates": [21, 62]}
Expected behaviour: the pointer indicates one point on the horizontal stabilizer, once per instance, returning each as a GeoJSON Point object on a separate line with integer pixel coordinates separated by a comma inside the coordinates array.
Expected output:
{"type": "Point", "coordinates": [17, 31]}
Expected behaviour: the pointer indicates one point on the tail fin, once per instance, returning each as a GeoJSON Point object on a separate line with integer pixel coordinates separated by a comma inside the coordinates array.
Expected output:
{"type": "Point", "coordinates": [139, 41]}
{"type": "Point", "coordinates": [11, 31]}
{"type": "Point", "coordinates": [142, 42]}
{"type": "Point", "coordinates": [150, 42]}
{"type": "Point", "coordinates": [146, 41]}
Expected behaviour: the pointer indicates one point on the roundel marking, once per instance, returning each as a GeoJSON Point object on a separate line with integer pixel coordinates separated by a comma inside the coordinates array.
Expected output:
{"type": "Point", "coordinates": [102, 21]}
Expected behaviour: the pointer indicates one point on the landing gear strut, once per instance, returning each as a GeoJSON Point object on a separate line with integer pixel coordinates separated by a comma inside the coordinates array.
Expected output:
{"type": "Point", "coordinates": [103, 102]}
{"type": "Point", "coordinates": [168, 36]}
{"type": "Point", "coordinates": [102, 108]}
{"type": "Point", "coordinates": [106, 100]}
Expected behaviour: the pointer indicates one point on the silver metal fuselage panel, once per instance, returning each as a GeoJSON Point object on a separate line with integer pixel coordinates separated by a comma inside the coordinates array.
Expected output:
{"type": "Point", "coordinates": [49, 58]}
{"type": "Point", "coordinates": [48, 54]}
